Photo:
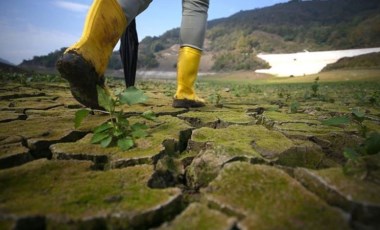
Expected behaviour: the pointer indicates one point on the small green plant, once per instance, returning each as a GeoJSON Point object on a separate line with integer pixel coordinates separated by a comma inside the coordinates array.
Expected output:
{"type": "Point", "coordinates": [283, 93]}
{"type": "Point", "coordinates": [358, 118]}
{"type": "Point", "coordinates": [361, 97]}
{"type": "Point", "coordinates": [288, 96]}
{"type": "Point", "coordinates": [280, 94]}
{"type": "Point", "coordinates": [215, 98]}
{"type": "Point", "coordinates": [294, 106]}
{"type": "Point", "coordinates": [356, 165]}
{"type": "Point", "coordinates": [117, 130]}
{"type": "Point", "coordinates": [315, 87]}
{"type": "Point", "coordinates": [337, 121]}
{"type": "Point", "coordinates": [372, 100]}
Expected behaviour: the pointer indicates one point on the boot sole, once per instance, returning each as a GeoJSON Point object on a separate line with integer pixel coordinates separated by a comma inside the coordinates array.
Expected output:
{"type": "Point", "coordinates": [184, 103]}
{"type": "Point", "coordinates": [82, 77]}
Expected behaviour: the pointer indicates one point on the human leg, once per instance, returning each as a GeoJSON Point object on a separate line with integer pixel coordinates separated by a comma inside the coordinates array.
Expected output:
{"type": "Point", "coordinates": [192, 34]}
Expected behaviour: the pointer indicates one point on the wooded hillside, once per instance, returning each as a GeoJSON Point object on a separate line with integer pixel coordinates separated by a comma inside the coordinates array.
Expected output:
{"type": "Point", "coordinates": [288, 27]}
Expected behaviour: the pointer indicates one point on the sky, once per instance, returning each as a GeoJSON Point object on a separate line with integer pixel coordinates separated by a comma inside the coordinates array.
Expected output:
{"type": "Point", "coordinates": [37, 27]}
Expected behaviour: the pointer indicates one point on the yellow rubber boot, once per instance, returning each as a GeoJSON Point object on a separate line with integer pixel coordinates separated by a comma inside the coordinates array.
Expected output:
{"type": "Point", "coordinates": [187, 71]}
{"type": "Point", "coordinates": [84, 63]}
{"type": "Point", "coordinates": [104, 26]}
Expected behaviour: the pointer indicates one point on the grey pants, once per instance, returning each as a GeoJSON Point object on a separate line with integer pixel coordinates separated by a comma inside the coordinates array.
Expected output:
{"type": "Point", "coordinates": [194, 18]}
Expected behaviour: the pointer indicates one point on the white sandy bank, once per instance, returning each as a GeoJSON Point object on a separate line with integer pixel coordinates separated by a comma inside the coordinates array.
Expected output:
{"type": "Point", "coordinates": [299, 64]}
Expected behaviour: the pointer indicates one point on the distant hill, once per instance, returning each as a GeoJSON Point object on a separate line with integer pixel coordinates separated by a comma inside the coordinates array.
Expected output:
{"type": "Point", "coordinates": [10, 68]}
{"type": "Point", "coordinates": [287, 27]}
{"type": "Point", "coordinates": [47, 61]}
{"type": "Point", "coordinates": [232, 43]}
{"type": "Point", "coordinates": [6, 62]}
{"type": "Point", "coordinates": [298, 25]}
{"type": "Point", "coordinates": [364, 61]}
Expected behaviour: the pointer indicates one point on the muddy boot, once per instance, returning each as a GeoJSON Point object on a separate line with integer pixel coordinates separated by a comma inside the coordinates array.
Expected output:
{"type": "Point", "coordinates": [84, 63]}
{"type": "Point", "coordinates": [187, 70]}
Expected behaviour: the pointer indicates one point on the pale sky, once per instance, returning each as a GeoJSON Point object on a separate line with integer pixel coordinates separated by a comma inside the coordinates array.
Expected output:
{"type": "Point", "coordinates": [37, 27]}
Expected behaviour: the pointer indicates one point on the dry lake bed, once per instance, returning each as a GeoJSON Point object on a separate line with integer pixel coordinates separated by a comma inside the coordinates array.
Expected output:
{"type": "Point", "coordinates": [281, 155]}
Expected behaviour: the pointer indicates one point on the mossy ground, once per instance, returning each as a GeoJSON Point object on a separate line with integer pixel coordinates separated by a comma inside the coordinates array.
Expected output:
{"type": "Point", "coordinates": [270, 199]}
{"type": "Point", "coordinates": [165, 135]}
{"type": "Point", "coordinates": [251, 141]}
{"type": "Point", "coordinates": [198, 216]}
{"type": "Point", "coordinates": [356, 195]}
{"type": "Point", "coordinates": [217, 118]}
{"type": "Point", "coordinates": [273, 125]}
{"type": "Point", "coordinates": [71, 190]}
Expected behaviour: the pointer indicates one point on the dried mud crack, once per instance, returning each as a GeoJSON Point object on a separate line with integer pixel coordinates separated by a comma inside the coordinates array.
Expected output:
{"type": "Point", "coordinates": [249, 164]}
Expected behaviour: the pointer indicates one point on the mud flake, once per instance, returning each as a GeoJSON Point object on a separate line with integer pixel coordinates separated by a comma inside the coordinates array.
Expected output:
{"type": "Point", "coordinates": [70, 193]}
{"type": "Point", "coordinates": [198, 216]}
{"type": "Point", "coordinates": [258, 192]}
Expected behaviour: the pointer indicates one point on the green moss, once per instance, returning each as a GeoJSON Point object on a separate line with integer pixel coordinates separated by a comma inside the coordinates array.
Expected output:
{"type": "Point", "coordinates": [69, 189]}
{"type": "Point", "coordinates": [12, 149]}
{"type": "Point", "coordinates": [148, 147]}
{"type": "Point", "coordinates": [46, 130]}
{"type": "Point", "coordinates": [213, 118]}
{"type": "Point", "coordinates": [188, 154]}
{"type": "Point", "coordinates": [13, 91]}
{"type": "Point", "coordinates": [305, 154]}
{"type": "Point", "coordinates": [265, 105]}
{"type": "Point", "coordinates": [198, 216]}
{"type": "Point", "coordinates": [166, 128]}
{"type": "Point", "coordinates": [89, 123]}
{"type": "Point", "coordinates": [285, 117]}
{"type": "Point", "coordinates": [6, 116]}
{"type": "Point", "coordinates": [270, 199]}
{"type": "Point", "coordinates": [254, 141]}
{"type": "Point", "coordinates": [353, 189]}
{"type": "Point", "coordinates": [20, 105]}
{"type": "Point", "coordinates": [14, 154]}
{"type": "Point", "coordinates": [372, 126]}
{"type": "Point", "coordinates": [42, 127]}
{"type": "Point", "coordinates": [164, 137]}
{"type": "Point", "coordinates": [170, 126]}
{"type": "Point", "coordinates": [323, 106]}
{"type": "Point", "coordinates": [205, 167]}
{"type": "Point", "coordinates": [35, 99]}
{"type": "Point", "coordinates": [6, 224]}
{"type": "Point", "coordinates": [170, 165]}
{"type": "Point", "coordinates": [48, 125]}
{"type": "Point", "coordinates": [158, 104]}
{"type": "Point", "coordinates": [307, 129]}
{"type": "Point", "coordinates": [333, 138]}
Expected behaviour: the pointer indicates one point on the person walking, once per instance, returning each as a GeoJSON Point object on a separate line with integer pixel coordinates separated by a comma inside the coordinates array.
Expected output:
{"type": "Point", "coordinates": [84, 63]}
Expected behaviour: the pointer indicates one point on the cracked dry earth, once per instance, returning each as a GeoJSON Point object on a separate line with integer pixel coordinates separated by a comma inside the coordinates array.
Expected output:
{"type": "Point", "coordinates": [240, 166]}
